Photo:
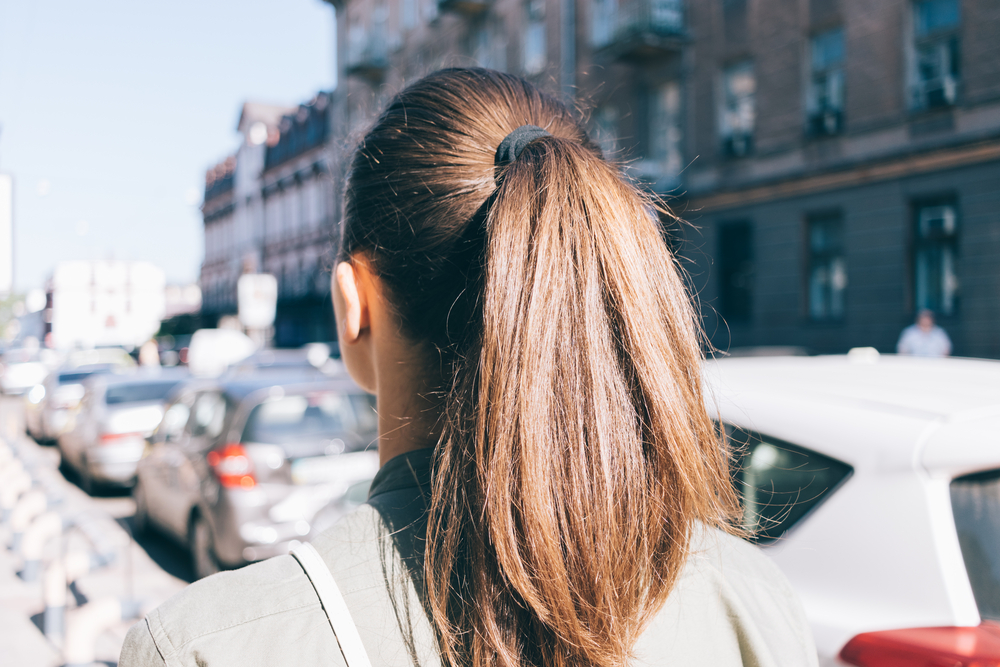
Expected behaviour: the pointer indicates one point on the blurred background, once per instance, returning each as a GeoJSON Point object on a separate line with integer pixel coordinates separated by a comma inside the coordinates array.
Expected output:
{"type": "Point", "coordinates": [170, 193]}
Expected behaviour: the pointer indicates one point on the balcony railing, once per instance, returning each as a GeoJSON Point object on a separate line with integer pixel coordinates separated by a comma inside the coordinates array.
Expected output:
{"type": "Point", "coordinates": [465, 7]}
{"type": "Point", "coordinates": [637, 29]}
{"type": "Point", "coordinates": [367, 53]}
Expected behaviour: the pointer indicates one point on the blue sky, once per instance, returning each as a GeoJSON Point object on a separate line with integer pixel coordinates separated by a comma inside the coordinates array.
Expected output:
{"type": "Point", "coordinates": [111, 111]}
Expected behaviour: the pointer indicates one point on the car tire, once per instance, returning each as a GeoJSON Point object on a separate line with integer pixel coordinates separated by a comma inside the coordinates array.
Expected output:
{"type": "Point", "coordinates": [203, 560]}
{"type": "Point", "coordinates": [140, 520]}
{"type": "Point", "coordinates": [86, 479]}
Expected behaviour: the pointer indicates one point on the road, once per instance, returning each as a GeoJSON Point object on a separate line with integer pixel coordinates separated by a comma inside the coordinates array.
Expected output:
{"type": "Point", "coordinates": [147, 569]}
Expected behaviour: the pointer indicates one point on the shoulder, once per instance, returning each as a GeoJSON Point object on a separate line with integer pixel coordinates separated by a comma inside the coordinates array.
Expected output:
{"type": "Point", "coordinates": [228, 613]}
{"type": "Point", "coordinates": [270, 610]}
{"type": "Point", "coordinates": [731, 605]}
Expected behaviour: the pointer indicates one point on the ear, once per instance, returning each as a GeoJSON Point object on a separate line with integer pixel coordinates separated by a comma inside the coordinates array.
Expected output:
{"type": "Point", "coordinates": [351, 303]}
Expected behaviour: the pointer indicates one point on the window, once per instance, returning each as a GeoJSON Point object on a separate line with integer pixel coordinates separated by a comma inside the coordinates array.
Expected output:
{"type": "Point", "coordinates": [975, 502]}
{"type": "Point", "coordinates": [534, 37]}
{"type": "Point", "coordinates": [934, 262]}
{"type": "Point", "coordinates": [827, 269]}
{"type": "Point", "coordinates": [736, 271]}
{"type": "Point", "coordinates": [778, 482]}
{"type": "Point", "coordinates": [208, 415]}
{"type": "Point", "coordinates": [603, 19]}
{"type": "Point", "coordinates": [606, 131]}
{"type": "Point", "coordinates": [408, 11]}
{"type": "Point", "coordinates": [825, 101]}
{"type": "Point", "coordinates": [935, 65]}
{"type": "Point", "coordinates": [738, 112]}
{"type": "Point", "coordinates": [665, 128]}
{"type": "Point", "coordinates": [489, 47]}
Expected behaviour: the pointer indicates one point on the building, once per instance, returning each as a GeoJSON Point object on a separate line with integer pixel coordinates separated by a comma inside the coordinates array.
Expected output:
{"type": "Point", "coordinates": [233, 210]}
{"type": "Point", "coordinates": [269, 208]}
{"type": "Point", "coordinates": [298, 224]}
{"type": "Point", "coordinates": [839, 158]}
{"type": "Point", "coordinates": [845, 158]}
{"type": "Point", "coordinates": [108, 302]}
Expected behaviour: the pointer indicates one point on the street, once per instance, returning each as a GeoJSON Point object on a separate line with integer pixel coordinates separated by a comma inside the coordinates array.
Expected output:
{"type": "Point", "coordinates": [147, 571]}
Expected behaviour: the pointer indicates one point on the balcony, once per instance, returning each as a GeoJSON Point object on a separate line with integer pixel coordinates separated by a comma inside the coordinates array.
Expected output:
{"type": "Point", "coordinates": [464, 7]}
{"type": "Point", "coordinates": [367, 53]}
{"type": "Point", "coordinates": [637, 29]}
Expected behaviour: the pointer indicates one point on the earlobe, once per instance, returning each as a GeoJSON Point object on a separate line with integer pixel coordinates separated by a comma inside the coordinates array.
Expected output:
{"type": "Point", "coordinates": [353, 314]}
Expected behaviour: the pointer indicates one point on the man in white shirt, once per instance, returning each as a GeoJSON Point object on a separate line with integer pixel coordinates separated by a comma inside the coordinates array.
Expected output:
{"type": "Point", "coordinates": [924, 339]}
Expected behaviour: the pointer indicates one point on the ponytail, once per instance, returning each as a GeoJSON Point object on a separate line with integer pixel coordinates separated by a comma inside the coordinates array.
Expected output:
{"type": "Point", "coordinates": [575, 453]}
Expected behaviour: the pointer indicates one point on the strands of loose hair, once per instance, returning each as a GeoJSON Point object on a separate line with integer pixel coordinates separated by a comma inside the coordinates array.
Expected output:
{"type": "Point", "coordinates": [575, 453]}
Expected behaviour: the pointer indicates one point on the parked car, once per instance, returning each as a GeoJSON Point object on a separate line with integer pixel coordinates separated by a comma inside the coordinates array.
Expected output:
{"type": "Point", "coordinates": [49, 406]}
{"type": "Point", "coordinates": [21, 369]}
{"type": "Point", "coordinates": [874, 483]}
{"type": "Point", "coordinates": [239, 469]}
{"type": "Point", "coordinates": [311, 360]}
{"type": "Point", "coordinates": [117, 413]}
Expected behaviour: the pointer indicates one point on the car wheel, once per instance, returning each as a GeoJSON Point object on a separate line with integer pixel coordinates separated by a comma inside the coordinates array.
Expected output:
{"type": "Point", "coordinates": [86, 479]}
{"type": "Point", "coordinates": [140, 520]}
{"type": "Point", "coordinates": [202, 548]}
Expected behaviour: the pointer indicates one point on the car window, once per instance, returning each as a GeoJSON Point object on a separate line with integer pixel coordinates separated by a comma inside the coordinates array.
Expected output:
{"type": "Point", "coordinates": [297, 418]}
{"type": "Point", "coordinates": [975, 502]}
{"type": "Point", "coordinates": [207, 415]}
{"type": "Point", "coordinates": [174, 420]}
{"type": "Point", "coordinates": [138, 392]}
{"type": "Point", "coordinates": [779, 483]}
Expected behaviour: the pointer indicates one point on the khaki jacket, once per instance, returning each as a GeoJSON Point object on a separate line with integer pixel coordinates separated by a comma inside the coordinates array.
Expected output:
{"type": "Point", "coordinates": [730, 606]}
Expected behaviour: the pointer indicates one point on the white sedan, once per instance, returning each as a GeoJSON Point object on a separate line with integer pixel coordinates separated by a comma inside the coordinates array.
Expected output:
{"type": "Point", "coordinates": [874, 483]}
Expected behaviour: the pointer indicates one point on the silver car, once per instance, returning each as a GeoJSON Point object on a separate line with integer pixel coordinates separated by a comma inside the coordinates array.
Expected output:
{"type": "Point", "coordinates": [240, 469]}
{"type": "Point", "coordinates": [117, 413]}
{"type": "Point", "coordinates": [50, 405]}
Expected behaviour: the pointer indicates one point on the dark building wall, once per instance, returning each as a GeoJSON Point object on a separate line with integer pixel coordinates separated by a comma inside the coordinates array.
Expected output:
{"type": "Point", "coordinates": [878, 224]}
{"type": "Point", "coordinates": [980, 30]}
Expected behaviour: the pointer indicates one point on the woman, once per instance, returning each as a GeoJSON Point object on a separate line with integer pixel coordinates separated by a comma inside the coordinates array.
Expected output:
{"type": "Point", "coordinates": [552, 489]}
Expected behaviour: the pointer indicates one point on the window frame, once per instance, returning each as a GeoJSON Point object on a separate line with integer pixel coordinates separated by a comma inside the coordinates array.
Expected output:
{"type": "Point", "coordinates": [725, 308]}
{"type": "Point", "coordinates": [947, 40]}
{"type": "Point", "coordinates": [826, 256]}
{"type": "Point", "coordinates": [729, 107]}
{"type": "Point", "coordinates": [736, 458]}
{"type": "Point", "coordinates": [952, 242]}
{"type": "Point", "coordinates": [535, 25]}
{"type": "Point", "coordinates": [822, 118]}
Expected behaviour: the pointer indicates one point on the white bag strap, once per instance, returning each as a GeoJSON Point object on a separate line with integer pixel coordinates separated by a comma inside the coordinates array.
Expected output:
{"type": "Point", "coordinates": [333, 604]}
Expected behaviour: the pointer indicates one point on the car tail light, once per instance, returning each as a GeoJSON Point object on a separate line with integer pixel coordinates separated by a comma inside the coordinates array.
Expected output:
{"type": "Point", "coordinates": [232, 466]}
{"type": "Point", "coordinates": [977, 646]}
{"type": "Point", "coordinates": [108, 438]}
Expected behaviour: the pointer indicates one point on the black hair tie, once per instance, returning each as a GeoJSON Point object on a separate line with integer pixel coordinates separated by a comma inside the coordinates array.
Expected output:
{"type": "Point", "coordinates": [512, 145]}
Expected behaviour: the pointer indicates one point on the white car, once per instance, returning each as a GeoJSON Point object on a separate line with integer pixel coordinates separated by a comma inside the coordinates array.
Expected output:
{"type": "Point", "coordinates": [874, 483]}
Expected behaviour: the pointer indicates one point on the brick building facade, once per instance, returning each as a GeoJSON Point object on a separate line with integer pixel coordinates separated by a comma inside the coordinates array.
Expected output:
{"type": "Point", "coordinates": [839, 159]}
{"type": "Point", "coordinates": [864, 183]}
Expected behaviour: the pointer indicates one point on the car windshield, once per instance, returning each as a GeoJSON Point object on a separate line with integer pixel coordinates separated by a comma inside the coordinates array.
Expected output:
{"type": "Point", "coordinates": [139, 391]}
{"type": "Point", "coordinates": [68, 378]}
{"type": "Point", "coordinates": [313, 416]}
{"type": "Point", "coordinates": [975, 501]}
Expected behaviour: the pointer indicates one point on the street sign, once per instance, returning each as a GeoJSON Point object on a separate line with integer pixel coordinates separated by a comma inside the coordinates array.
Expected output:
{"type": "Point", "coordinates": [257, 296]}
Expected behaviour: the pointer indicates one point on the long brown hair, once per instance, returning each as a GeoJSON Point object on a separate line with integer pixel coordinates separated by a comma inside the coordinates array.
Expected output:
{"type": "Point", "coordinates": [575, 453]}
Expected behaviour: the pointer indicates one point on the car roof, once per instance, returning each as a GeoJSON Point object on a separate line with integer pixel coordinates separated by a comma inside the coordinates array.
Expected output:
{"type": "Point", "coordinates": [238, 389]}
{"type": "Point", "coordinates": [950, 388]}
{"type": "Point", "coordinates": [139, 376]}
{"type": "Point", "coordinates": [870, 410]}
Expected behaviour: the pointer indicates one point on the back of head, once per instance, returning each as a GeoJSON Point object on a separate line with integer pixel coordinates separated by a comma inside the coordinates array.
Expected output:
{"type": "Point", "coordinates": [575, 453]}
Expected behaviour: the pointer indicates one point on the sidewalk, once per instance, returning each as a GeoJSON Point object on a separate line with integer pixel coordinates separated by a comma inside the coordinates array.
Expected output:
{"type": "Point", "coordinates": [132, 574]}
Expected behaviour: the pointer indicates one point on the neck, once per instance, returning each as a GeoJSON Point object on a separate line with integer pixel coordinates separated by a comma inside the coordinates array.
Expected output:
{"type": "Point", "coordinates": [408, 407]}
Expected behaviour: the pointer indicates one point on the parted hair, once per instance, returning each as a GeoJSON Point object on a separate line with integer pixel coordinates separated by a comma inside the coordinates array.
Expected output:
{"type": "Point", "coordinates": [575, 454]}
